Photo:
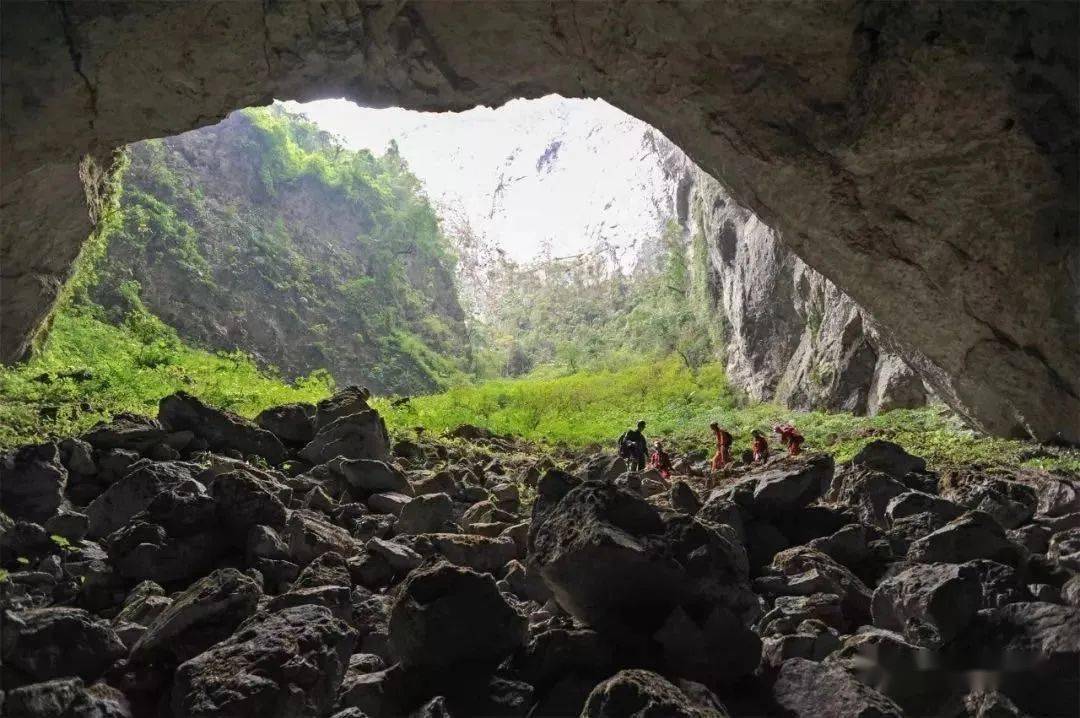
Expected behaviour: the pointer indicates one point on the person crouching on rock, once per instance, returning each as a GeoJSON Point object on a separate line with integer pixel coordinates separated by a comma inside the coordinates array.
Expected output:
{"type": "Point", "coordinates": [760, 446]}
{"type": "Point", "coordinates": [722, 457]}
{"type": "Point", "coordinates": [660, 460]}
{"type": "Point", "coordinates": [633, 448]}
{"type": "Point", "coordinates": [790, 437]}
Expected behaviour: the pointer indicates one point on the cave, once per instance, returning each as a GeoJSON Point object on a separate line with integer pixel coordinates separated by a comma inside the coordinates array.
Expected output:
{"type": "Point", "coordinates": [921, 156]}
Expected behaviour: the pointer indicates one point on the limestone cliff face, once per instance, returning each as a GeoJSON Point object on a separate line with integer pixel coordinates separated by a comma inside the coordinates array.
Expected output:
{"type": "Point", "coordinates": [236, 251]}
{"type": "Point", "coordinates": [922, 156]}
{"type": "Point", "coordinates": [790, 335]}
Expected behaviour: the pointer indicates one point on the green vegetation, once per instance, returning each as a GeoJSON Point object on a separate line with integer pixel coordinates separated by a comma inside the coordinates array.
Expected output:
{"type": "Point", "coordinates": [586, 312]}
{"type": "Point", "coordinates": [594, 407]}
{"type": "Point", "coordinates": [313, 255]}
{"type": "Point", "coordinates": [90, 369]}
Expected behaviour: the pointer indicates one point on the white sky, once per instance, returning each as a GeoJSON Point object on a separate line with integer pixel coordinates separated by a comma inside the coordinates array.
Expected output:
{"type": "Point", "coordinates": [597, 182]}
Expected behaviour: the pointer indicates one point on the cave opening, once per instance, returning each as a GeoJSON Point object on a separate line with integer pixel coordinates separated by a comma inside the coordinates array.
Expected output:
{"type": "Point", "coordinates": [853, 206]}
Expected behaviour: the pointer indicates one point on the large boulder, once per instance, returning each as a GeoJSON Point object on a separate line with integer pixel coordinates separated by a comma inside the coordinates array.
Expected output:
{"type": "Point", "coordinates": [291, 423]}
{"type": "Point", "coordinates": [603, 553]}
{"type": "Point", "coordinates": [243, 501]}
{"type": "Point", "coordinates": [222, 430]}
{"type": "Point", "coordinates": [129, 432]}
{"type": "Point", "coordinates": [479, 553]}
{"type": "Point", "coordinates": [57, 642]}
{"type": "Point", "coordinates": [637, 692]}
{"type": "Point", "coordinates": [205, 613]}
{"type": "Point", "coordinates": [804, 571]}
{"type": "Point", "coordinates": [929, 603]}
{"type": "Point", "coordinates": [346, 401]}
{"type": "Point", "coordinates": [283, 664]}
{"type": "Point", "coordinates": [145, 551]}
{"type": "Point", "coordinates": [807, 689]}
{"type": "Point", "coordinates": [888, 458]}
{"type": "Point", "coordinates": [449, 617]}
{"type": "Point", "coordinates": [361, 435]}
{"type": "Point", "coordinates": [789, 484]}
{"type": "Point", "coordinates": [369, 476]}
{"type": "Point", "coordinates": [33, 480]}
{"type": "Point", "coordinates": [918, 502]}
{"type": "Point", "coordinates": [66, 698]}
{"type": "Point", "coordinates": [427, 513]}
{"type": "Point", "coordinates": [973, 536]}
{"type": "Point", "coordinates": [1040, 641]}
{"type": "Point", "coordinates": [1010, 503]}
{"type": "Point", "coordinates": [866, 490]}
{"type": "Point", "coordinates": [134, 492]}
{"type": "Point", "coordinates": [309, 535]}
{"type": "Point", "coordinates": [675, 588]}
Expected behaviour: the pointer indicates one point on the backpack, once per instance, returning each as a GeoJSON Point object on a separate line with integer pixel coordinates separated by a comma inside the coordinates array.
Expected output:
{"type": "Point", "coordinates": [627, 448]}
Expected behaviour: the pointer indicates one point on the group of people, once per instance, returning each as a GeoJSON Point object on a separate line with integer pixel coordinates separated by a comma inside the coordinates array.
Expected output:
{"type": "Point", "coordinates": [633, 448]}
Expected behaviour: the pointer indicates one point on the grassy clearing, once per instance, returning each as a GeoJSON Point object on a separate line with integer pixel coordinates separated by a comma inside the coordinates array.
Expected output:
{"type": "Point", "coordinates": [595, 407]}
{"type": "Point", "coordinates": [89, 369]}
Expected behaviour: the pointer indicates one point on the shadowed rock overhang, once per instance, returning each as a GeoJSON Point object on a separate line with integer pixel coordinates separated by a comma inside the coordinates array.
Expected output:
{"type": "Point", "coordinates": [922, 156]}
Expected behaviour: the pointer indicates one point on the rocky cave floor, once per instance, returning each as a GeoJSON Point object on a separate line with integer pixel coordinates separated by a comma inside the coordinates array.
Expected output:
{"type": "Point", "coordinates": [152, 570]}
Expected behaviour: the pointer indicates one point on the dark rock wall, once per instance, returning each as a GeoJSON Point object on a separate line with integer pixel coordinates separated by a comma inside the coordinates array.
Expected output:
{"type": "Point", "coordinates": [922, 156]}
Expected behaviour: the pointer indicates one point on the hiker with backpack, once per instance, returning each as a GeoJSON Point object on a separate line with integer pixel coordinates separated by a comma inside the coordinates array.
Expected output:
{"type": "Point", "coordinates": [633, 447]}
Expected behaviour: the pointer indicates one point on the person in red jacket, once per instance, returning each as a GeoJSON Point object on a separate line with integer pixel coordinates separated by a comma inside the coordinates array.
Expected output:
{"type": "Point", "coordinates": [660, 460]}
{"type": "Point", "coordinates": [790, 437]}
{"type": "Point", "coordinates": [722, 457]}
{"type": "Point", "coordinates": [760, 446]}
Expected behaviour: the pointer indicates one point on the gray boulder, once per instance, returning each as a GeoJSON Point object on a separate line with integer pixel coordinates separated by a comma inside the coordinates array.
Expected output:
{"type": "Point", "coordinates": [205, 613]}
{"type": "Point", "coordinates": [998, 584]}
{"type": "Point", "coordinates": [58, 642]}
{"type": "Point", "coordinates": [683, 498]}
{"type": "Point", "coordinates": [222, 430]}
{"type": "Point", "coordinates": [929, 603]}
{"type": "Point", "coordinates": [310, 535]}
{"type": "Point", "coordinates": [479, 553]}
{"type": "Point", "coordinates": [129, 432]}
{"type": "Point", "coordinates": [808, 689]}
{"type": "Point", "coordinates": [446, 616]}
{"type": "Point", "coordinates": [866, 490]}
{"type": "Point", "coordinates": [243, 501]}
{"type": "Point", "coordinates": [370, 476]}
{"type": "Point", "coordinates": [66, 698]}
{"type": "Point", "coordinates": [1064, 547]}
{"type": "Point", "coordinates": [291, 423]}
{"type": "Point", "coordinates": [34, 481]}
{"type": "Point", "coordinates": [356, 436]}
{"type": "Point", "coordinates": [284, 664]}
{"type": "Point", "coordinates": [1010, 503]}
{"type": "Point", "coordinates": [918, 502]}
{"type": "Point", "coordinates": [804, 571]}
{"type": "Point", "coordinates": [427, 513]}
{"type": "Point", "coordinates": [637, 692]}
{"type": "Point", "coordinates": [136, 490]}
{"type": "Point", "coordinates": [789, 484]}
{"type": "Point", "coordinates": [888, 458]}
{"type": "Point", "coordinates": [973, 536]}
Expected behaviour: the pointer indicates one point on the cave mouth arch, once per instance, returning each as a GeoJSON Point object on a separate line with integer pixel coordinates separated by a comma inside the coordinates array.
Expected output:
{"type": "Point", "coordinates": [923, 158]}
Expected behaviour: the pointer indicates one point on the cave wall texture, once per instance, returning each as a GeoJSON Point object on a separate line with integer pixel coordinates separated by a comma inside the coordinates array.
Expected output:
{"type": "Point", "coordinates": [922, 156]}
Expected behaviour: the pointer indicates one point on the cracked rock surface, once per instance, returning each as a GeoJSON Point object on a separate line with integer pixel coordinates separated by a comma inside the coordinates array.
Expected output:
{"type": "Point", "coordinates": [922, 157]}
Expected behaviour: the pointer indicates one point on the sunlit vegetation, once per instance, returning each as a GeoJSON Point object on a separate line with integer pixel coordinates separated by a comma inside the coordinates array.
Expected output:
{"type": "Point", "coordinates": [587, 311]}
{"type": "Point", "coordinates": [268, 220]}
{"type": "Point", "coordinates": [594, 407]}
{"type": "Point", "coordinates": [90, 369]}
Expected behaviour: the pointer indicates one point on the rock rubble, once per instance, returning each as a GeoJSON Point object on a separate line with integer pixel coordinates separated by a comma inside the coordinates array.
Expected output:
{"type": "Point", "coordinates": [468, 576]}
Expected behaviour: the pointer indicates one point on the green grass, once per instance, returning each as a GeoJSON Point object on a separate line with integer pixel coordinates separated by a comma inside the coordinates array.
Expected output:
{"type": "Point", "coordinates": [128, 368]}
{"type": "Point", "coordinates": [594, 407]}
